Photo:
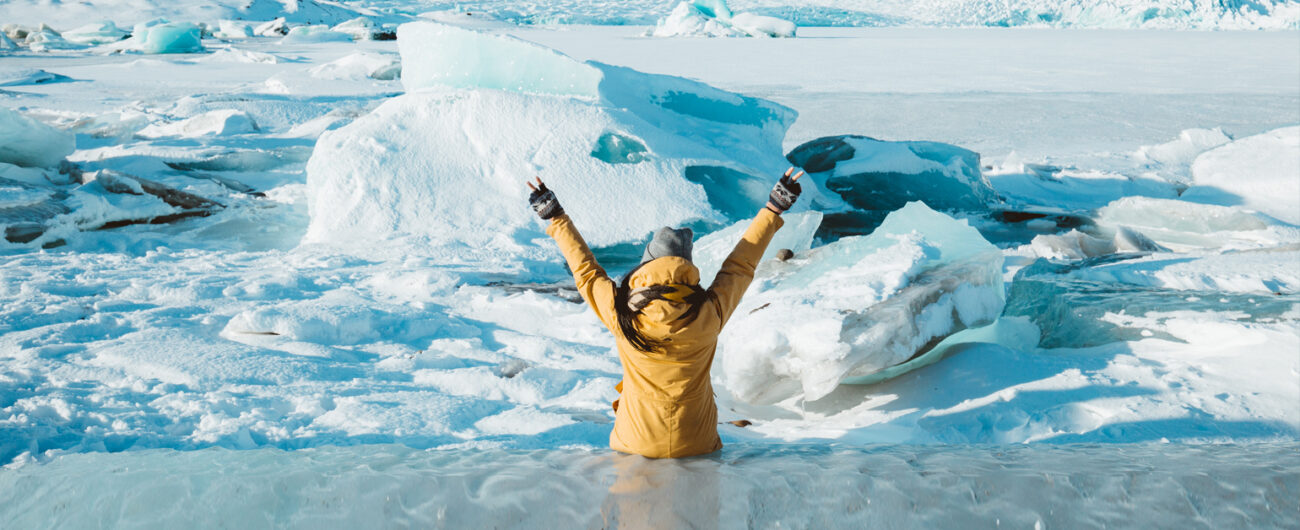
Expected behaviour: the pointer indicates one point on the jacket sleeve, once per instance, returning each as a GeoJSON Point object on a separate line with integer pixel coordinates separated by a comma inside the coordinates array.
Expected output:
{"type": "Point", "coordinates": [738, 270]}
{"type": "Point", "coordinates": [593, 283]}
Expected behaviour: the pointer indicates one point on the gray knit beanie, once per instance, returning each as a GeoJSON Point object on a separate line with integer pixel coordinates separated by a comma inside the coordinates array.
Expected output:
{"type": "Point", "coordinates": [669, 242]}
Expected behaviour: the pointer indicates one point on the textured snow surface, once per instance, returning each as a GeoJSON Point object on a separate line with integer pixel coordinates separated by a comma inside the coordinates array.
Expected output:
{"type": "Point", "coordinates": [29, 143]}
{"type": "Point", "coordinates": [1261, 173]}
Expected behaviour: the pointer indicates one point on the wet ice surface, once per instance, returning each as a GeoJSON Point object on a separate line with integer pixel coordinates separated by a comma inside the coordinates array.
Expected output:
{"type": "Point", "coordinates": [743, 486]}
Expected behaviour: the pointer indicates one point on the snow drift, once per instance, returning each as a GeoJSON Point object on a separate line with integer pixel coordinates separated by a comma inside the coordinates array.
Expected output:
{"type": "Point", "coordinates": [860, 305]}
{"type": "Point", "coordinates": [446, 162]}
{"type": "Point", "coordinates": [1261, 173]}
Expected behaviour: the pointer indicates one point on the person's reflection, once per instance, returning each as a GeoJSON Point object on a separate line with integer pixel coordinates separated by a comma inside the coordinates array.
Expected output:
{"type": "Point", "coordinates": [663, 493]}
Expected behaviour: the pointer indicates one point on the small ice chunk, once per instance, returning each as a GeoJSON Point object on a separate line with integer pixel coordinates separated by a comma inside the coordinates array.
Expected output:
{"type": "Point", "coordinates": [225, 122]}
{"type": "Point", "coordinates": [318, 33]}
{"type": "Point", "coordinates": [360, 28]}
{"type": "Point", "coordinates": [29, 143]}
{"type": "Point", "coordinates": [860, 305]}
{"type": "Point", "coordinates": [96, 33]}
{"type": "Point", "coordinates": [46, 39]}
{"type": "Point", "coordinates": [233, 29]}
{"type": "Point", "coordinates": [357, 66]}
{"type": "Point", "coordinates": [272, 28]}
{"type": "Point", "coordinates": [1260, 173]}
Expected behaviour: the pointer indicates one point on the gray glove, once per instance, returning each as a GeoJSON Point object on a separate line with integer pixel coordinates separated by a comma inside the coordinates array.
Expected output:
{"type": "Point", "coordinates": [786, 192]}
{"type": "Point", "coordinates": [544, 202]}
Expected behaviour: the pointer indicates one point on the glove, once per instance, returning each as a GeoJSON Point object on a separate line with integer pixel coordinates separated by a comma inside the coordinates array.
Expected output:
{"type": "Point", "coordinates": [544, 202]}
{"type": "Point", "coordinates": [785, 192]}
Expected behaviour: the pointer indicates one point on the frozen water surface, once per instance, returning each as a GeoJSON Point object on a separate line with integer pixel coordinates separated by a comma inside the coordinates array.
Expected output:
{"type": "Point", "coordinates": [744, 486]}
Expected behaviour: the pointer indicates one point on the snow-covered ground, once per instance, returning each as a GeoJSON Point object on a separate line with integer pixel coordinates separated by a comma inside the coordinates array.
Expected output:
{"type": "Point", "coordinates": [298, 309]}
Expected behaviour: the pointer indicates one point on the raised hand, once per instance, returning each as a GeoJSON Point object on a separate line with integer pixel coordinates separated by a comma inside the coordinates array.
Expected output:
{"type": "Point", "coordinates": [785, 192]}
{"type": "Point", "coordinates": [543, 201]}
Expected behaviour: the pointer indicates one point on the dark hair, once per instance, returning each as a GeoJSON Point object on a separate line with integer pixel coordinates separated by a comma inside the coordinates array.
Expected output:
{"type": "Point", "coordinates": [627, 317]}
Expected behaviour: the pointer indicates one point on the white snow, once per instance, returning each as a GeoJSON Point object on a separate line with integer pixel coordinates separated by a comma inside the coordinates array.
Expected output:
{"type": "Point", "coordinates": [29, 143]}
{"type": "Point", "coordinates": [1261, 173]}
{"type": "Point", "coordinates": [318, 33]}
{"type": "Point", "coordinates": [215, 123]}
{"type": "Point", "coordinates": [360, 66]}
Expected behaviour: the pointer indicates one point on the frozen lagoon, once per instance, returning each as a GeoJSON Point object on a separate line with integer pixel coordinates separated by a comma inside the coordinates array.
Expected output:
{"type": "Point", "coordinates": [125, 340]}
{"type": "Point", "coordinates": [744, 486]}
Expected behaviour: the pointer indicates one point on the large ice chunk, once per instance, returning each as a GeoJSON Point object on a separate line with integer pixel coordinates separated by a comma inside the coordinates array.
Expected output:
{"type": "Point", "coordinates": [448, 56]}
{"type": "Point", "coordinates": [162, 36]}
{"type": "Point", "coordinates": [860, 305]}
{"type": "Point", "coordinates": [877, 177]}
{"type": "Point", "coordinates": [1261, 173]}
{"type": "Point", "coordinates": [625, 151]}
{"type": "Point", "coordinates": [223, 122]}
{"type": "Point", "coordinates": [796, 236]}
{"type": "Point", "coordinates": [316, 33]}
{"type": "Point", "coordinates": [30, 143]}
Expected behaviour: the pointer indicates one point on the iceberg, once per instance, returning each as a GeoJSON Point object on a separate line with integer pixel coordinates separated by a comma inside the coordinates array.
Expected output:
{"type": "Point", "coordinates": [1257, 173]}
{"type": "Point", "coordinates": [875, 177]}
{"type": "Point", "coordinates": [446, 162]}
{"type": "Point", "coordinates": [863, 304]}
{"type": "Point", "coordinates": [29, 143]}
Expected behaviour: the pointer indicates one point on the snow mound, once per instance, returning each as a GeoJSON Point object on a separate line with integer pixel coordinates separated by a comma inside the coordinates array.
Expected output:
{"type": "Point", "coordinates": [29, 143]}
{"type": "Point", "coordinates": [1179, 154]}
{"type": "Point", "coordinates": [319, 33]}
{"type": "Point", "coordinates": [357, 66]}
{"type": "Point", "coordinates": [1261, 173]}
{"type": "Point", "coordinates": [863, 304]}
{"type": "Point", "coordinates": [712, 18]}
{"type": "Point", "coordinates": [216, 123]}
{"type": "Point", "coordinates": [447, 161]}
{"type": "Point", "coordinates": [875, 177]}
{"type": "Point", "coordinates": [27, 76]}
{"type": "Point", "coordinates": [95, 34]}
{"type": "Point", "coordinates": [236, 55]}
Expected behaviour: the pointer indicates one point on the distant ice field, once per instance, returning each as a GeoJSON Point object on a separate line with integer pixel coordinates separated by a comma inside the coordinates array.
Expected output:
{"type": "Point", "coordinates": [744, 486]}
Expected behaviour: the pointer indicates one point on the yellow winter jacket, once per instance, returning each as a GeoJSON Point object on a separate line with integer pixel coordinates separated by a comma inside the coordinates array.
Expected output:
{"type": "Point", "coordinates": [666, 409]}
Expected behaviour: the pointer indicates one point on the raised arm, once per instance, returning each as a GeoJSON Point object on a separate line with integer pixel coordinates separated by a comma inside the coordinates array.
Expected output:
{"type": "Point", "coordinates": [593, 283]}
{"type": "Point", "coordinates": [737, 271]}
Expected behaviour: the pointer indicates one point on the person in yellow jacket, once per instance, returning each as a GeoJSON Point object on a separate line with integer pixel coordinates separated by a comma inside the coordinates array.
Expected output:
{"type": "Point", "coordinates": [665, 324]}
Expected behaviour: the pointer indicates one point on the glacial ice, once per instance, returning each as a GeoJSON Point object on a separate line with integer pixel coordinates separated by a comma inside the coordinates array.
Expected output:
{"type": "Point", "coordinates": [360, 28]}
{"type": "Point", "coordinates": [315, 33]}
{"type": "Point", "coordinates": [1258, 173]}
{"type": "Point", "coordinates": [45, 38]}
{"type": "Point", "coordinates": [96, 33]}
{"type": "Point", "coordinates": [863, 304]}
{"type": "Point", "coordinates": [233, 29]}
{"type": "Point", "coordinates": [876, 177]}
{"type": "Point", "coordinates": [1173, 159]}
{"type": "Point", "coordinates": [161, 36]}
{"type": "Point", "coordinates": [614, 143]}
{"type": "Point", "coordinates": [29, 143]}
{"type": "Point", "coordinates": [796, 235]}
{"type": "Point", "coordinates": [712, 18]}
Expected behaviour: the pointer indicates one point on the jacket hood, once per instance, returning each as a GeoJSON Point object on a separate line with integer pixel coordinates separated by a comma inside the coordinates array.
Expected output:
{"type": "Point", "coordinates": [660, 271]}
